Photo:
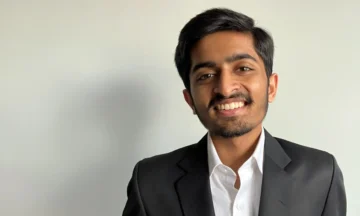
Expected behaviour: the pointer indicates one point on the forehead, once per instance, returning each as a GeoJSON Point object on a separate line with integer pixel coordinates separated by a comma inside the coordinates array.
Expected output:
{"type": "Point", "coordinates": [220, 45]}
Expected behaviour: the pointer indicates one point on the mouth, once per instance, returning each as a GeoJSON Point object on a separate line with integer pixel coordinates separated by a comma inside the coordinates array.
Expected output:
{"type": "Point", "coordinates": [231, 109]}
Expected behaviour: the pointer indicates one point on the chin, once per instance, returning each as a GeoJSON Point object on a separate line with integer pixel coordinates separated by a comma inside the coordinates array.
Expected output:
{"type": "Point", "coordinates": [231, 132]}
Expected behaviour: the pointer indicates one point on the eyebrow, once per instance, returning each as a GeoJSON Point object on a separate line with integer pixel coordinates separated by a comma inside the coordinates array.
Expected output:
{"type": "Point", "coordinates": [236, 57]}
{"type": "Point", "coordinates": [211, 64]}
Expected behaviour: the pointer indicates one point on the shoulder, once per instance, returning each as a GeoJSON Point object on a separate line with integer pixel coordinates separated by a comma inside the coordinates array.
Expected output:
{"type": "Point", "coordinates": [314, 162]}
{"type": "Point", "coordinates": [315, 173]}
{"type": "Point", "coordinates": [163, 163]}
{"type": "Point", "coordinates": [300, 152]}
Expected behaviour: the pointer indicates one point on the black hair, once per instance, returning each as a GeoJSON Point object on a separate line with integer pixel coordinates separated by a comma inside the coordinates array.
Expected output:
{"type": "Point", "coordinates": [215, 20]}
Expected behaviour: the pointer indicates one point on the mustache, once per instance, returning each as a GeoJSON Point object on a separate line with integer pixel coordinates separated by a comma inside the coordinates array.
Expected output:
{"type": "Point", "coordinates": [219, 97]}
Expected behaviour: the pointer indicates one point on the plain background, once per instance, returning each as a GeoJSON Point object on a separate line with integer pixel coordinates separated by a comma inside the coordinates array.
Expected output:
{"type": "Point", "coordinates": [88, 88]}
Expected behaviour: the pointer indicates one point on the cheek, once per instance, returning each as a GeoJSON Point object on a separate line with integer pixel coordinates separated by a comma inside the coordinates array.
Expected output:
{"type": "Point", "coordinates": [258, 88]}
{"type": "Point", "coordinates": [201, 97]}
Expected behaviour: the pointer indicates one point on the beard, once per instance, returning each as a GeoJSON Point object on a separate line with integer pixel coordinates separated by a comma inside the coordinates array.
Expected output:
{"type": "Point", "coordinates": [234, 126]}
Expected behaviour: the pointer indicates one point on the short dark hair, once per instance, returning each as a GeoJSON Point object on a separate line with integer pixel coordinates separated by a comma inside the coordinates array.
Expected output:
{"type": "Point", "coordinates": [215, 20]}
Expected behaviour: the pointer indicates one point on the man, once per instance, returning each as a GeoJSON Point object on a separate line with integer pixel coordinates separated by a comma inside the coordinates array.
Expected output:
{"type": "Point", "coordinates": [238, 168]}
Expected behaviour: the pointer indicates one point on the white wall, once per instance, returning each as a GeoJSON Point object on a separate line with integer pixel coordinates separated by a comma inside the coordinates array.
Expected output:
{"type": "Point", "coordinates": [88, 88]}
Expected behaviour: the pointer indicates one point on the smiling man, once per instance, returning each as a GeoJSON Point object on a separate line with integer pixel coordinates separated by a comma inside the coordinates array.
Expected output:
{"type": "Point", "coordinates": [237, 168]}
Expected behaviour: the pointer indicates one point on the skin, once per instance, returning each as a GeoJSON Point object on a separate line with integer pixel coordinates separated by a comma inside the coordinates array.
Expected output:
{"type": "Point", "coordinates": [226, 67]}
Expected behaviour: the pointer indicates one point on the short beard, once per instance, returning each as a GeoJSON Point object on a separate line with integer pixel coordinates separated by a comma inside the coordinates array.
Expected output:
{"type": "Point", "coordinates": [226, 133]}
{"type": "Point", "coordinates": [241, 129]}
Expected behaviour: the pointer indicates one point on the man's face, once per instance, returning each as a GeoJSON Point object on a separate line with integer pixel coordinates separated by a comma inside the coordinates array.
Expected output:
{"type": "Point", "coordinates": [230, 91]}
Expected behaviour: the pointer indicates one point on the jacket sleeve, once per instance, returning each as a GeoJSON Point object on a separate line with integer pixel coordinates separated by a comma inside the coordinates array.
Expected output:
{"type": "Point", "coordinates": [336, 199]}
{"type": "Point", "coordinates": [134, 205]}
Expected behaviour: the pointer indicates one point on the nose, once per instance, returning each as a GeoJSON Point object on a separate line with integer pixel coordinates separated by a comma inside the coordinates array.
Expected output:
{"type": "Point", "coordinates": [226, 84]}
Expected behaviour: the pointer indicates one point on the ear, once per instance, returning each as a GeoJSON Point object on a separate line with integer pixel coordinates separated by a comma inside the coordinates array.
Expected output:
{"type": "Point", "coordinates": [188, 99]}
{"type": "Point", "coordinates": [273, 85]}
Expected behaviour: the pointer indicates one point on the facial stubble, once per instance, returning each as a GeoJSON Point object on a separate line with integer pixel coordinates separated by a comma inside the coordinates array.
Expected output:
{"type": "Point", "coordinates": [232, 126]}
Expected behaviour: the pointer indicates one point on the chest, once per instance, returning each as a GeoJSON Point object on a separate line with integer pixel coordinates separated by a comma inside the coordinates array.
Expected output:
{"type": "Point", "coordinates": [236, 193]}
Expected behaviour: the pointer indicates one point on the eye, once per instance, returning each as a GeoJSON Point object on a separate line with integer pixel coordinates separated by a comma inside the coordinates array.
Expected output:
{"type": "Point", "coordinates": [205, 76]}
{"type": "Point", "coordinates": [245, 68]}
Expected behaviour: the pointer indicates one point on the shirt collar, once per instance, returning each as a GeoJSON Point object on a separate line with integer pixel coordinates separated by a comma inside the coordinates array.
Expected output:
{"type": "Point", "coordinates": [258, 154]}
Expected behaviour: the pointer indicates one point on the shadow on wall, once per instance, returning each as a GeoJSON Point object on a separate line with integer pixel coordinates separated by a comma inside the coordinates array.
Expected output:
{"type": "Point", "coordinates": [104, 125]}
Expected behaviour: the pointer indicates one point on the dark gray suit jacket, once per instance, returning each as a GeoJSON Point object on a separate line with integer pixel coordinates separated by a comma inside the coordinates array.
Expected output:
{"type": "Point", "coordinates": [297, 181]}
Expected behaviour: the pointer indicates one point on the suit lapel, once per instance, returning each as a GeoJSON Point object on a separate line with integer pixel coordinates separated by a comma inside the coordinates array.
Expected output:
{"type": "Point", "coordinates": [277, 183]}
{"type": "Point", "coordinates": [193, 188]}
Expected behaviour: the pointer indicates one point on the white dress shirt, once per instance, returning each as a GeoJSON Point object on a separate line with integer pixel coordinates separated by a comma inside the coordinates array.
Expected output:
{"type": "Point", "coordinates": [226, 198]}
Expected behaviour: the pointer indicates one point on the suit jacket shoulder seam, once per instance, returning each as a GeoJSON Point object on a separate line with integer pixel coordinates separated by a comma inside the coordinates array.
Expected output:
{"type": "Point", "coordinates": [138, 189]}
{"type": "Point", "coordinates": [331, 183]}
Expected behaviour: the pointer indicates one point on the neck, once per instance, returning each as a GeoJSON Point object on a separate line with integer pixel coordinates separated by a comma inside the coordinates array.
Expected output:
{"type": "Point", "coordinates": [233, 152]}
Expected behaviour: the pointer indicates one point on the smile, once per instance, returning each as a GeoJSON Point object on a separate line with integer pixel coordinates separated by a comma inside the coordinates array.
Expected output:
{"type": "Point", "coordinates": [230, 106]}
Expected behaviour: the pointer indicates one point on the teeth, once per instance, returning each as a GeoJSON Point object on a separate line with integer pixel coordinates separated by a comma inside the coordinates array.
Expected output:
{"type": "Point", "coordinates": [230, 106]}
